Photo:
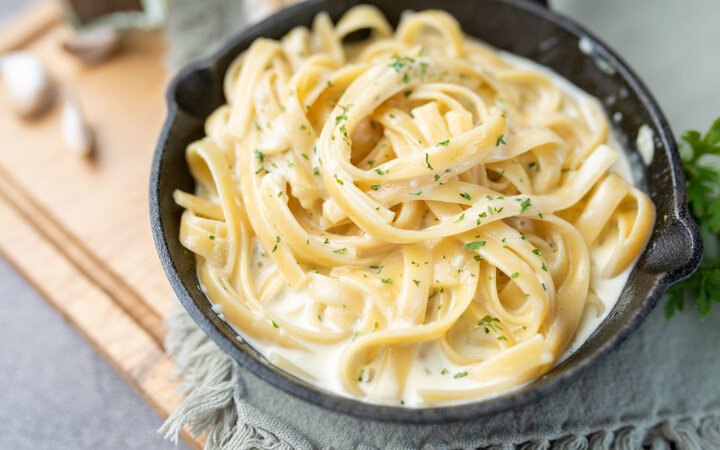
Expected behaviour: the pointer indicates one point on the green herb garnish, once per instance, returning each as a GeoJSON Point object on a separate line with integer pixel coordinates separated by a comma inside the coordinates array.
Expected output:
{"type": "Point", "coordinates": [475, 245]}
{"type": "Point", "coordinates": [525, 205]}
{"type": "Point", "coordinates": [427, 161]}
{"type": "Point", "coordinates": [702, 179]}
{"type": "Point", "coordinates": [490, 323]}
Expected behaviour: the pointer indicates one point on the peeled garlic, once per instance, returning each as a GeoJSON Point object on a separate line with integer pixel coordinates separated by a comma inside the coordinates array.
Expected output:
{"type": "Point", "coordinates": [27, 83]}
{"type": "Point", "coordinates": [76, 133]}
{"type": "Point", "coordinates": [93, 45]}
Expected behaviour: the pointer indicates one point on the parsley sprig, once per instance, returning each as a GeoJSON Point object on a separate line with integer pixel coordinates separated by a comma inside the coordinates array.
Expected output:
{"type": "Point", "coordinates": [703, 188]}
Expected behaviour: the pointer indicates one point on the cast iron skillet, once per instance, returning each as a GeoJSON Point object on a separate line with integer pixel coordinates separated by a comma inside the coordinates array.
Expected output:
{"type": "Point", "coordinates": [517, 26]}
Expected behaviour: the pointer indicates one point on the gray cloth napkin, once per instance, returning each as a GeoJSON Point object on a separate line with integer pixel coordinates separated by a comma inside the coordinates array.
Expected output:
{"type": "Point", "coordinates": [659, 389]}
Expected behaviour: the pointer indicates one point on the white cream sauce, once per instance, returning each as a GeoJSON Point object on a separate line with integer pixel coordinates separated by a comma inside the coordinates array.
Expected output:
{"type": "Point", "coordinates": [645, 144]}
{"type": "Point", "coordinates": [431, 369]}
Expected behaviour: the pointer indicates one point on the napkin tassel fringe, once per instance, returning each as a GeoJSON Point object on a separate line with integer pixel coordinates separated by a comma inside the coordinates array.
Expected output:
{"type": "Point", "coordinates": [210, 382]}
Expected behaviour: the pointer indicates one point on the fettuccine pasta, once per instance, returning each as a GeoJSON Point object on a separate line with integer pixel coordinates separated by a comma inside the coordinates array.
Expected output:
{"type": "Point", "coordinates": [414, 218]}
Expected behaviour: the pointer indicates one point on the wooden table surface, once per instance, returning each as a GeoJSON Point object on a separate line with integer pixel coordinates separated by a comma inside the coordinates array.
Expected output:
{"type": "Point", "coordinates": [78, 230]}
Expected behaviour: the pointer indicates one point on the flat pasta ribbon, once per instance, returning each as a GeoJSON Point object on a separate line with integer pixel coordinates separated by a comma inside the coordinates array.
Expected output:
{"type": "Point", "coordinates": [412, 201]}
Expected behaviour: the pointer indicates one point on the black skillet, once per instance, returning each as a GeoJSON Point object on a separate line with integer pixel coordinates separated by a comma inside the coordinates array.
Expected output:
{"type": "Point", "coordinates": [518, 26]}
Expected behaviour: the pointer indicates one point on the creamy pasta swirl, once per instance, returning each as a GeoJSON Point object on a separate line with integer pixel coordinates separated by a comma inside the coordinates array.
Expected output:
{"type": "Point", "coordinates": [416, 195]}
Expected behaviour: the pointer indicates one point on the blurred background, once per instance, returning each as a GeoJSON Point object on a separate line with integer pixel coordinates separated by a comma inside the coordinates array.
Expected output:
{"type": "Point", "coordinates": [59, 392]}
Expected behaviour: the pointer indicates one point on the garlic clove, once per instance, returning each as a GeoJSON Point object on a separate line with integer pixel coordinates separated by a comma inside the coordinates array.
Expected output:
{"type": "Point", "coordinates": [27, 82]}
{"type": "Point", "coordinates": [76, 133]}
{"type": "Point", "coordinates": [93, 45]}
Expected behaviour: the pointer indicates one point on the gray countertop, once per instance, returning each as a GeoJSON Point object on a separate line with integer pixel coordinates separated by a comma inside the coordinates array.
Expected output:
{"type": "Point", "coordinates": [58, 392]}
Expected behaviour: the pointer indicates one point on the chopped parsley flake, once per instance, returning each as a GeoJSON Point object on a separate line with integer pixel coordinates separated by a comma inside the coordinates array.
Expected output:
{"type": "Point", "coordinates": [465, 195]}
{"type": "Point", "coordinates": [490, 323]}
{"type": "Point", "coordinates": [400, 63]}
{"type": "Point", "coordinates": [277, 240]}
{"type": "Point", "coordinates": [378, 268]}
{"type": "Point", "coordinates": [443, 143]}
{"type": "Point", "coordinates": [460, 374]}
{"type": "Point", "coordinates": [344, 131]}
{"type": "Point", "coordinates": [525, 205]}
{"type": "Point", "coordinates": [500, 140]}
{"type": "Point", "coordinates": [427, 161]}
{"type": "Point", "coordinates": [340, 251]}
{"type": "Point", "coordinates": [474, 245]}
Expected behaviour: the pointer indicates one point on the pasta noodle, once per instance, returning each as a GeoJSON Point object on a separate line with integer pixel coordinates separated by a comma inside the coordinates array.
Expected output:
{"type": "Point", "coordinates": [412, 205]}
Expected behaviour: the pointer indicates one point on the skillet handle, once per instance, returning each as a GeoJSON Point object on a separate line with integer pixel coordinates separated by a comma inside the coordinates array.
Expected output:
{"type": "Point", "coordinates": [542, 3]}
{"type": "Point", "coordinates": [677, 248]}
{"type": "Point", "coordinates": [687, 241]}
